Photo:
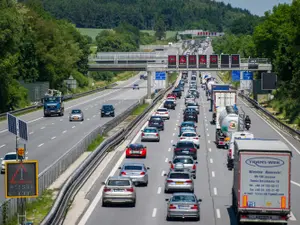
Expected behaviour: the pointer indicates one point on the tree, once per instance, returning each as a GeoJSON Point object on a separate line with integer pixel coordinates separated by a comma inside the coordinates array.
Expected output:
{"type": "Point", "coordinates": [160, 30]}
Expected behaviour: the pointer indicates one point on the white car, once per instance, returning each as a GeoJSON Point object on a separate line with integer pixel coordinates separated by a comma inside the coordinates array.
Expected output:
{"type": "Point", "coordinates": [162, 112]}
{"type": "Point", "coordinates": [190, 136]}
{"type": "Point", "coordinates": [9, 157]}
{"type": "Point", "coordinates": [171, 99]}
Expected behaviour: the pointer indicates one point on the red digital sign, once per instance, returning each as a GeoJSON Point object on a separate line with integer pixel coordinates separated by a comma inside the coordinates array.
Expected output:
{"type": "Point", "coordinates": [182, 61]}
{"type": "Point", "coordinates": [192, 61]}
{"type": "Point", "coordinates": [213, 61]}
{"type": "Point", "coordinates": [202, 61]}
{"type": "Point", "coordinates": [235, 61]}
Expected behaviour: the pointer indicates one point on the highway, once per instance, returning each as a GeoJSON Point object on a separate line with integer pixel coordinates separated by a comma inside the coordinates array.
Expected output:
{"type": "Point", "coordinates": [51, 137]}
{"type": "Point", "coordinates": [213, 183]}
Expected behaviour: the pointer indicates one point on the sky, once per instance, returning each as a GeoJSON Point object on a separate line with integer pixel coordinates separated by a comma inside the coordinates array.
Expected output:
{"type": "Point", "coordinates": [257, 7]}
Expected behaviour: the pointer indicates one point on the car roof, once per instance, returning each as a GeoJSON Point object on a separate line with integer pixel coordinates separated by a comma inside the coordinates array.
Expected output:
{"type": "Point", "coordinates": [133, 164]}
{"type": "Point", "coordinates": [118, 178]}
{"type": "Point", "coordinates": [107, 105]}
{"type": "Point", "coordinates": [183, 193]}
{"type": "Point", "coordinates": [11, 153]}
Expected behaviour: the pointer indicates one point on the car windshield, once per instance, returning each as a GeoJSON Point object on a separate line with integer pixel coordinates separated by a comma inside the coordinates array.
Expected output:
{"type": "Point", "coordinates": [162, 110]}
{"type": "Point", "coordinates": [183, 198]}
{"type": "Point", "coordinates": [189, 135]}
{"type": "Point", "coordinates": [169, 102]}
{"type": "Point", "coordinates": [76, 111]}
{"type": "Point", "coordinates": [155, 119]}
{"type": "Point", "coordinates": [185, 145]}
{"type": "Point", "coordinates": [107, 107]}
{"type": "Point", "coordinates": [132, 167]}
{"type": "Point", "coordinates": [133, 147]}
{"type": "Point", "coordinates": [52, 99]}
{"type": "Point", "coordinates": [150, 131]}
{"type": "Point", "coordinates": [187, 125]}
{"type": "Point", "coordinates": [183, 160]}
{"type": "Point", "coordinates": [10, 157]}
{"type": "Point", "coordinates": [179, 176]}
{"type": "Point", "coordinates": [118, 183]}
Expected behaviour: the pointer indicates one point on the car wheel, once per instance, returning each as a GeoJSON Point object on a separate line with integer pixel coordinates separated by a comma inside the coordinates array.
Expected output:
{"type": "Point", "coordinates": [158, 140]}
{"type": "Point", "coordinates": [166, 191]}
{"type": "Point", "coordinates": [145, 156]}
{"type": "Point", "coordinates": [133, 204]}
{"type": "Point", "coordinates": [168, 218]}
{"type": "Point", "coordinates": [146, 184]}
{"type": "Point", "coordinates": [113, 115]}
{"type": "Point", "coordinates": [197, 218]}
{"type": "Point", "coordinates": [104, 204]}
{"type": "Point", "coordinates": [192, 191]}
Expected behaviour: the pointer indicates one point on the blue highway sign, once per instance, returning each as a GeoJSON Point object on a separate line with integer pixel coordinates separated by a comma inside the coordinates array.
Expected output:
{"type": "Point", "coordinates": [12, 124]}
{"type": "Point", "coordinates": [160, 75]}
{"type": "Point", "coordinates": [235, 75]}
{"type": "Point", "coordinates": [247, 75]}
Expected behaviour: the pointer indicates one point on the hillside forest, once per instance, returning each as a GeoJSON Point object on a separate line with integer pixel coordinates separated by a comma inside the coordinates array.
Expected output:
{"type": "Point", "coordinates": [277, 38]}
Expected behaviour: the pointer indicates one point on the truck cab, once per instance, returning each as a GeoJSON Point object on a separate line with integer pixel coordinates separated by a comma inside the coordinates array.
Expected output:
{"type": "Point", "coordinates": [53, 105]}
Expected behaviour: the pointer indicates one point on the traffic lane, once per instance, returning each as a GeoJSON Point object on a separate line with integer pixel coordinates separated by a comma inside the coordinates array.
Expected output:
{"type": "Point", "coordinates": [145, 205]}
{"type": "Point", "coordinates": [56, 125]}
{"type": "Point", "coordinates": [38, 115]}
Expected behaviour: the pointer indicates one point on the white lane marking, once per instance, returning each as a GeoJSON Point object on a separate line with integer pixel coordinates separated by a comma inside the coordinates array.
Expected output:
{"type": "Point", "coordinates": [61, 120]}
{"type": "Point", "coordinates": [64, 131]}
{"type": "Point", "coordinates": [73, 127]}
{"type": "Point", "coordinates": [154, 212]}
{"type": "Point", "coordinates": [206, 124]}
{"type": "Point", "coordinates": [208, 141]}
{"type": "Point", "coordinates": [175, 128]}
{"type": "Point", "coordinates": [52, 123]}
{"type": "Point", "coordinates": [172, 141]}
{"type": "Point", "coordinates": [53, 138]}
{"type": "Point", "coordinates": [169, 149]}
{"type": "Point", "coordinates": [207, 135]}
{"type": "Point", "coordinates": [42, 128]}
{"type": "Point", "coordinates": [31, 132]}
{"type": "Point", "coordinates": [207, 129]}
{"type": "Point", "coordinates": [213, 174]}
{"type": "Point", "coordinates": [86, 109]}
{"type": "Point", "coordinates": [211, 160]}
{"type": "Point", "coordinates": [80, 122]}
{"type": "Point", "coordinates": [177, 122]}
{"type": "Point", "coordinates": [173, 134]}
{"type": "Point", "coordinates": [1, 146]}
{"type": "Point", "coordinates": [166, 160]}
{"type": "Point", "coordinates": [274, 128]}
{"type": "Point", "coordinates": [209, 149]}
{"type": "Point", "coordinates": [204, 116]}
{"type": "Point", "coordinates": [88, 118]}
{"type": "Point", "coordinates": [295, 183]}
{"type": "Point", "coordinates": [159, 190]}
{"type": "Point", "coordinates": [94, 115]}
{"type": "Point", "coordinates": [292, 217]}
{"type": "Point", "coordinates": [218, 213]}
{"type": "Point", "coordinates": [215, 191]}
{"type": "Point", "coordinates": [163, 173]}
{"type": "Point", "coordinates": [40, 145]}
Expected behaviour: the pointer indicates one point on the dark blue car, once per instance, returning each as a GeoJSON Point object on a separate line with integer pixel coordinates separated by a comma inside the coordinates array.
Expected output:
{"type": "Point", "coordinates": [157, 122]}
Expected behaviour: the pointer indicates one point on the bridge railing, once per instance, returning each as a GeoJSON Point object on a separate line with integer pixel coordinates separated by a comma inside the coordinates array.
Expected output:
{"type": "Point", "coordinates": [257, 60]}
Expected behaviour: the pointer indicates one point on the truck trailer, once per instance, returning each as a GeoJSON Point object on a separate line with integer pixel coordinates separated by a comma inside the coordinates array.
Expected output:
{"type": "Point", "coordinates": [261, 191]}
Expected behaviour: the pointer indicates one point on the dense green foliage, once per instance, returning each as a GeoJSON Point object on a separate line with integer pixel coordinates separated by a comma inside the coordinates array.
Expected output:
{"type": "Point", "coordinates": [277, 38]}
{"type": "Point", "coordinates": [144, 14]}
{"type": "Point", "coordinates": [124, 38]}
{"type": "Point", "coordinates": [36, 47]}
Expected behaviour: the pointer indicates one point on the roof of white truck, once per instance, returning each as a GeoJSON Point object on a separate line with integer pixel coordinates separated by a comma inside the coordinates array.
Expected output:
{"type": "Point", "coordinates": [256, 144]}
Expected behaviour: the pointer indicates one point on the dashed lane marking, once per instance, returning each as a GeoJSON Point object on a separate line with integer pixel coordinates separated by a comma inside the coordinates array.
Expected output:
{"type": "Point", "coordinates": [213, 174]}
{"type": "Point", "coordinates": [1, 146]}
{"type": "Point", "coordinates": [163, 173]}
{"type": "Point", "coordinates": [154, 212]}
{"type": "Point", "coordinates": [159, 190]}
{"type": "Point", "coordinates": [208, 141]}
{"type": "Point", "coordinates": [53, 138]}
{"type": "Point", "coordinates": [40, 145]}
{"type": "Point", "coordinates": [42, 128]}
{"type": "Point", "coordinates": [73, 127]}
{"type": "Point", "coordinates": [169, 149]}
{"type": "Point", "coordinates": [218, 213]}
{"type": "Point", "coordinates": [166, 160]}
{"type": "Point", "coordinates": [215, 191]}
{"type": "Point", "coordinates": [64, 131]}
{"type": "Point", "coordinates": [31, 132]}
{"type": "Point", "coordinates": [211, 160]}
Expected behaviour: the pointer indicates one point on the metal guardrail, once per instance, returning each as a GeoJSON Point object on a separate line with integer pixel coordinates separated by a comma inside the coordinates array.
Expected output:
{"type": "Point", "coordinates": [57, 214]}
{"type": "Point", "coordinates": [66, 97]}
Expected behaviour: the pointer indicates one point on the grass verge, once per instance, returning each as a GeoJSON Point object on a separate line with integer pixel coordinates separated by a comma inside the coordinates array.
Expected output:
{"type": "Point", "coordinates": [37, 210]}
{"type": "Point", "coordinates": [172, 77]}
{"type": "Point", "coordinates": [99, 139]}
{"type": "Point", "coordinates": [138, 110]}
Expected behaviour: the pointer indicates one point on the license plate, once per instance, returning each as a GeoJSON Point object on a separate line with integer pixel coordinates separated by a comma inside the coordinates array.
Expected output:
{"type": "Point", "coordinates": [186, 152]}
{"type": "Point", "coordinates": [148, 134]}
{"type": "Point", "coordinates": [107, 113]}
{"type": "Point", "coordinates": [263, 217]}
{"type": "Point", "coordinates": [183, 207]}
{"type": "Point", "coordinates": [179, 182]}
{"type": "Point", "coordinates": [75, 118]}
{"type": "Point", "coordinates": [117, 190]}
{"type": "Point", "coordinates": [135, 152]}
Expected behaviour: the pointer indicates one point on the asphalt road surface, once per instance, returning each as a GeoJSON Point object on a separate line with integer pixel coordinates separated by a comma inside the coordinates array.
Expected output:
{"type": "Point", "coordinates": [213, 183]}
{"type": "Point", "coordinates": [51, 137]}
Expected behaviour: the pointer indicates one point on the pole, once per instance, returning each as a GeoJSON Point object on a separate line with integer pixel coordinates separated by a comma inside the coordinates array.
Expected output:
{"type": "Point", "coordinates": [149, 77]}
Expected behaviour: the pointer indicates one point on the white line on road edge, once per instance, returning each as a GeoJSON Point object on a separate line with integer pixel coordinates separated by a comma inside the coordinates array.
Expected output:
{"type": "Point", "coordinates": [94, 115]}
{"type": "Point", "coordinates": [211, 160]}
{"type": "Point", "coordinates": [295, 183]}
{"type": "Point", "coordinates": [213, 174]}
{"type": "Point", "coordinates": [31, 132]}
{"type": "Point", "coordinates": [207, 135]}
{"type": "Point", "coordinates": [2, 146]}
{"type": "Point", "coordinates": [173, 134]}
{"type": "Point", "coordinates": [207, 129]}
{"type": "Point", "coordinates": [41, 145]}
{"type": "Point", "coordinates": [53, 138]}
{"type": "Point", "coordinates": [172, 141]}
{"type": "Point", "coordinates": [166, 160]}
{"type": "Point", "coordinates": [73, 127]}
{"type": "Point", "coordinates": [215, 191]}
{"type": "Point", "coordinates": [208, 141]}
{"type": "Point", "coordinates": [175, 128]}
{"type": "Point", "coordinates": [169, 149]}
{"type": "Point", "coordinates": [159, 190]}
{"type": "Point", "coordinates": [206, 124]}
{"type": "Point", "coordinates": [154, 212]}
{"type": "Point", "coordinates": [218, 213]}
{"type": "Point", "coordinates": [163, 173]}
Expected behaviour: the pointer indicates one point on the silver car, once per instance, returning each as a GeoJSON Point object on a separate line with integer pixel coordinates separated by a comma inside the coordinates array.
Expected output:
{"type": "Point", "coordinates": [188, 163]}
{"type": "Point", "coordinates": [178, 181]}
{"type": "Point", "coordinates": [118, 190]}
{"type": "Point", "coordinates": [137, 172]}
{"type": "Point", "coordinates": [150, 134]}
{"type": "Point", "coordinates": [183, 205]}
{"type": "Point", "coordinates": [76, 115]}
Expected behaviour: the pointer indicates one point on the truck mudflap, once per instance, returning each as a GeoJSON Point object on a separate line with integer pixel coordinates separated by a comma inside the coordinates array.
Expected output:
{"type": "Point", "coordinates": [263, 218]}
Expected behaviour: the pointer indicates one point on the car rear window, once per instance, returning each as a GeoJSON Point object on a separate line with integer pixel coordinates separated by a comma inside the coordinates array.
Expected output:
{"type": "Point", "coordinates": [155, 119]}
{"type": "Point", "coordinates": [179, 176]}
{"type": "Point", "coordinates": [169, 102]}
{"type": "Point", "coordinates": [183, 198]}
{"type": "Point", "coordinates": [189, 135]}
{"type": "Point", "coordinates": [133, 147]}
{"type": "Point", "coordinates": [185, 145]}
{"type": "Point", "coordinates": [150, 131]}
{"type": "Point", "coordinates": [75, 111]}
{"type": "Point", "coordinates": [162, 110]}
{"type": "Point", "coordinates": [187, 125]}
{"type": "Point", "coordinates": [133, 167]}
{"type": "Point", "coordinates": [118, 183]}
{"type": "Point", "coordinates": [183, 160]}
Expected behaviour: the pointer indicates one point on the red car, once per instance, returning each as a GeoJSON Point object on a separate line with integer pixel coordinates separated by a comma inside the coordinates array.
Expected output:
{"type": "Point", "coordinates": [172, 95]}
{"type": "Point", "coordinates": [136, 150]}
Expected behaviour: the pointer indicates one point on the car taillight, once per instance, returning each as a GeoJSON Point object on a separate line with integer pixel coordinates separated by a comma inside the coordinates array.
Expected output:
{"type": "Point", "coordinates": [123, 173]}
{"type": "Point", "coordinates": [230, 153]}
{"type": "Point", "coordinates": [172, 206]}
{"type": "Point", "coordinates": [170, 181]}
{"type": "Point", "coordinates": [106, 189]}
{"type": "Point", "coordinates": [142, 173]}
{"type": "Point", "coordinates": [172, 166]}
{"type": "Point", "coordinates": [196, 138]}
{"type": "Point", "coordinates": [193, 149]}
{"type": "Point", "coordinates": [143, 134]}
{"type": "Point", "coordinates": [130, 189]}
{"type": "Point", "coordinates": [181, 138]}
{"type": "Point", "coordinates": [194, 207]}
{"type": "Point", "coordinates": [194, 167]}
{"type": "Point", "coordinates": [189, 181]}
{"type": "Point", "coordinates": [176, 149]}
{"type": "Point", "coordinates": [166, 112]}
{"type": "Point", "coordinates": [156, 134]}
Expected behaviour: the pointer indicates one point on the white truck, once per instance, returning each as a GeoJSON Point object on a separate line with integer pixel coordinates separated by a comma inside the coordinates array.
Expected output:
{"type": "Point", "coordinates": [227, 121]}
{"type": "Point", "coordinates": [222, 99]}
{"type": "Point", "coordinates": [261, 191]}
{"type": "Point", "coordinates": [235, 136]}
